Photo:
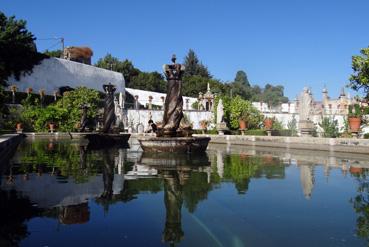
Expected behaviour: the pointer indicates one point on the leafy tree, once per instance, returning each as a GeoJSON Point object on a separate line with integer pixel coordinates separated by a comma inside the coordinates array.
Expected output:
{"type": "Point", "coordinates": [17, 48]}
{"type": "Point", "coordinates": [292, 126]}
{"type": "Point", "coordinates": [65, 113]}
{"type": "Point", "coordinates": [241, 86]}
{"type": "Point", "coordinates": [113, 63]}
{"type": "Point", "coordinates": [239, 108]}
{"type": "Point", "coordinates": [150, 81]}
{"type": "Point", "coordinates": [273, 95]}
{"type": "Point", "coordinates": [360, 77]}
{"type": "Point", "coordinates": [194, 66]}
{"type": "Point", "coordinates": [241, 78]}
{"type": "Point", "coordinates": [54, 53]}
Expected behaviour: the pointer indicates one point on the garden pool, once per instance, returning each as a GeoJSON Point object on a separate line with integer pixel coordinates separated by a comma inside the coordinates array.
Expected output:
{"type": "Point", "coordinates": [58, 192]}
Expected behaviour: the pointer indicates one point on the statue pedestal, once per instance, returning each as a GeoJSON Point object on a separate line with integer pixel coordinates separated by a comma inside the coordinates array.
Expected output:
{"type": "Point", "coordinates": [221, 127]}
{"type": "Point", "coordinates": [306, 128]}
{"type": "Point", "coordinates": [174, 144]}
{"type": "Point", "coordinates": [269, 132]}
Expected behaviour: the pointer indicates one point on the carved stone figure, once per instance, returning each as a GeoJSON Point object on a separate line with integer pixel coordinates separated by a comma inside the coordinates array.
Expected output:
{"type": "Point", "coordinates": [220, 112]}
{"type": "Point", "coordinates": [109, 108]}
{"type": "Point", "coordinates": [305, 104]}
{"type": "Point", "coordinates": [173, 106]}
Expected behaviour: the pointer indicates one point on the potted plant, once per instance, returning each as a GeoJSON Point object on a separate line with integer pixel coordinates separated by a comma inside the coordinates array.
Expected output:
{"type": "Point", "coordinates": [268, 123]}
{"type": "Point", "coordinates": [354, 117]}
{"type": "Point", "coordinates": [243, 120]}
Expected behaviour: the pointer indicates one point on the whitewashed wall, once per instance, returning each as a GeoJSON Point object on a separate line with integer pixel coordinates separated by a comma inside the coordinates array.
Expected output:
{"type": "Point", "coordinates": [143, 116]}
{"type": "Point", "coordinates": [53, 73]}
{"type": "Point", "coordinates": [285, 118]}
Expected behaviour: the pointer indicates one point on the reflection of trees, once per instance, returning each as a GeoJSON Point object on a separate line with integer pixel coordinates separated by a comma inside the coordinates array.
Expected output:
{"type": "Point", "coordinates": [361, 205]}
{"type": "Point", "coordinates": [241, 168]}
{"type": "Point", "coordinates": [14, 211]}
{"type": "Point", "coordinates": [57, 157]}
{"type": "Point", "coordinates": [195, 190]}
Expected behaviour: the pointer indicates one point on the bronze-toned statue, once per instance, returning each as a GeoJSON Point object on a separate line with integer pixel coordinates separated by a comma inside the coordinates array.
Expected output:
{"type": "Point", "coordinates": [84, 119]}
{"type": "Point", "coordinates": [109, 109]}
{"type": "Point", "coordinates": [173, 105]}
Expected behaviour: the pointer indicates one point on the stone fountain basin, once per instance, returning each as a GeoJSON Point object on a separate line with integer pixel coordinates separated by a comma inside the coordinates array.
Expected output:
{"type": "Point", "coordinates": [174, 144]}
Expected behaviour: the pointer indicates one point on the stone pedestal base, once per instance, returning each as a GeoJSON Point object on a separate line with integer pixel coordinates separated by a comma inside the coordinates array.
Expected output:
{"type": "Point", "coordinates": [306, 128]}
{"type": "Point", "coordinates": [269, 132]}
{"type": "Point", "coordinates": [221, 128]}
{"type": "Point", "coordinates": [174, 144]}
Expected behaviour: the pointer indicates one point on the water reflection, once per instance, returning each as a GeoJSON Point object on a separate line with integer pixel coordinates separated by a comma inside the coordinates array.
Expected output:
{"type": "Point", "coordinates": [60, 179]}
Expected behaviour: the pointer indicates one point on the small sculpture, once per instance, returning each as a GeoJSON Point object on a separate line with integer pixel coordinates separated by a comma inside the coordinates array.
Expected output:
{"type": "Point", "coordinates": [109, 108]}
{"type": "Point", "coordinates": [83, 122]}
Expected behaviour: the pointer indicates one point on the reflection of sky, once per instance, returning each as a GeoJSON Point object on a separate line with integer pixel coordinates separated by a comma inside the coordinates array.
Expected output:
{"type": "Point", "coordinates": [47, 191]}
{"type": "Point", "coordinates": [272, 212]}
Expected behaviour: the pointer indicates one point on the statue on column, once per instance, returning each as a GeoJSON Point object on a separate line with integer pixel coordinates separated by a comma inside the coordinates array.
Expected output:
{"type": "Point", "coordinates": [173, 106]}
{"type": "Point", "coordinates": [109, 107]}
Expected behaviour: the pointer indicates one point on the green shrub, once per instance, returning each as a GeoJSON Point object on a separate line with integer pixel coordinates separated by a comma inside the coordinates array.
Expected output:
{"type": "Point", "coordinates": [330, 127]}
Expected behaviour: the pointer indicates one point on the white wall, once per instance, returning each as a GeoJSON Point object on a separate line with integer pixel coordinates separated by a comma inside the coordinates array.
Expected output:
{"type": "Point", "coordinates": [143, 116]}
{"type": "Point", "coordinates": [53, 73]}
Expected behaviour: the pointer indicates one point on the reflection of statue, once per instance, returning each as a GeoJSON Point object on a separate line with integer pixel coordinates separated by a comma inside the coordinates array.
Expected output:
{"type": "Point", "coordinates": [220, 112]}
{"type": "Point", "coordinates": [173, 105]}
{"type": "Point", "coordinates": [83, 121]}
{"type": "Point", "coordinates": [108, 176]}
{"type": "Point", "coordinates": [306, 101]}
{"type": "Point", "coordinates": [307, 180]}
{"type": "Point", "coordinates": [109, 108]}
{"type": "Point", "coordinates": [74, 214]}
{"type": "Point", "coordinates": [173, 232]}
{"type": "Point", "coordinates": [82, 157]}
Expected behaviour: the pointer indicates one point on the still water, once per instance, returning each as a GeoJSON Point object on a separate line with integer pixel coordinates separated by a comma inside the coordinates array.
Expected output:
{"type": "Point", "coordinates": [61, 193]}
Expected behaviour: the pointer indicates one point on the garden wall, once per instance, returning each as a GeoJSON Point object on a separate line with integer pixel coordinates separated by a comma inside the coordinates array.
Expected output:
{"type": "Point", "coordinates": [53, 73]}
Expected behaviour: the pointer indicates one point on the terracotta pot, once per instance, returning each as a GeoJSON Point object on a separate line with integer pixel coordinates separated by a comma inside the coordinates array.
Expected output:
{"type": "Point", "coordinates": [354, 123]}
{"type": "Point", "coordinates": [19, 126]}
{"type": "Point", "coordinates": [268, 123]}
{"type": "Point", "coordinates": [242, 124]}
{"type": "Point", "coordinates": [356, 170]}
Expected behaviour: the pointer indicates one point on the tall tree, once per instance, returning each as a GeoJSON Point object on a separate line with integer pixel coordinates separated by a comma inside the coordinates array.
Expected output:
{"type": "Point", "coordinates": [150, 81]}
{"type": "Point", "coordinates": [113, 63]}
{"type": "Point", "coordinates": [360, 77]}
{"type": "Point", "coordinates": [241, 78]}
{"type": "Point", "coordinates": [241, 85]}
{"type": "Point", "coordinates": [194, 66]}
{"type": "Point", "coordinates": [18, 53]}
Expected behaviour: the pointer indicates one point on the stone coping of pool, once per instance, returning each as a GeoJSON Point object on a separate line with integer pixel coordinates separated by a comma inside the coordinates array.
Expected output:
{"type": "Point", "coordinates": [349, 145]}
{"type": "Point", "coordinates": [8, 145]}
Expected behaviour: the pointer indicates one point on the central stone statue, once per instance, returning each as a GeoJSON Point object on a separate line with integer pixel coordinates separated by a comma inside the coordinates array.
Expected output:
{"type": "Point", "coordinates": [173, 105]}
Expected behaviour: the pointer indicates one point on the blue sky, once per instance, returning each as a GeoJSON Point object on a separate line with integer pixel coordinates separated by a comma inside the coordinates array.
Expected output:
{"type": "Point", "coordinates": [294, 43]}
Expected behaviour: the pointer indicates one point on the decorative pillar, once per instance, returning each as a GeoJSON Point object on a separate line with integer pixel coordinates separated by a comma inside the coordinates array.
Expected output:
{"type": "Point", "coordinates": [13, 88]}
{"type": "Point", "coordinates": [187, 104]}
{"type": "Point", "coordinates": [55, 95]}
{"type": "Point", "coordinates": [42, 96]}
{"type": "Point", "coordinates": [136, 102]}
{"type": "Point", "coordinates": [150, 103]}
